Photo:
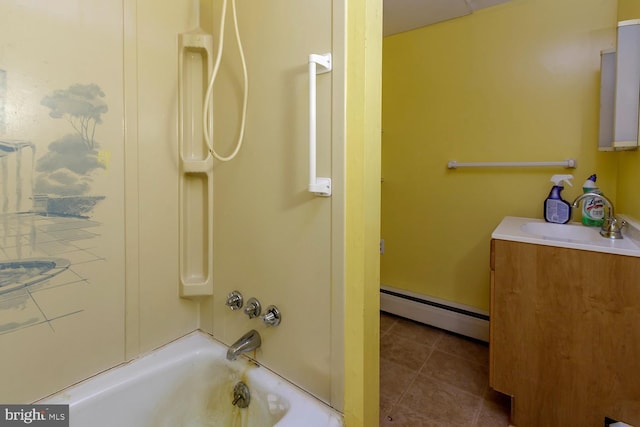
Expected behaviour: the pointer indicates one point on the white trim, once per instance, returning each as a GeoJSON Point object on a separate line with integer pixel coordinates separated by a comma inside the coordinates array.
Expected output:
{"type": "Point", "coordinates": [436, 316]}
{"type": "Point", "coordinates": [628, 22]}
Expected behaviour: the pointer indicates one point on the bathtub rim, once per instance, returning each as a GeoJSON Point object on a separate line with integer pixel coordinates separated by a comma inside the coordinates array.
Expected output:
{"type": "Point", "coordinates": [179, 350]}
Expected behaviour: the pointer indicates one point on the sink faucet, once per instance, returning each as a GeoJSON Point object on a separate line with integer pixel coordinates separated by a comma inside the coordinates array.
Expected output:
{"type": "Point", "coordinates": [248, 342]}
{"type": "Point", "coordinates": [611, 227]}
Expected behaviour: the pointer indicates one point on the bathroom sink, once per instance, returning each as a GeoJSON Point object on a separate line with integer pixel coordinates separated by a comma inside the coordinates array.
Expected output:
{"type": "Point", "coordinates": [575, 232]}
{"type": "Point", "coordinates": [573, 235]}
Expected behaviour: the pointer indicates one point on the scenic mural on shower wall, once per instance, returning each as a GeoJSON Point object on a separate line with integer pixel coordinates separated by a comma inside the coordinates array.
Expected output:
{"type": "Point", "coordinates": [61, 192]}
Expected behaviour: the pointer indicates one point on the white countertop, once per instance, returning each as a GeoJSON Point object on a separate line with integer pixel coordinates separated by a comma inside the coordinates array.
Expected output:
{"type": "Point", "coordinates": [514, 229]}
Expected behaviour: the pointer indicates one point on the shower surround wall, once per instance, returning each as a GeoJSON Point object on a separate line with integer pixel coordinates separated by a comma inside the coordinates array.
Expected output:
{"type": "Point", "coordinates": [101, 137]}
{"type": "Point", "coordinates": [274, 240]}
{"type": "Point", "coordinates": [118, 296]}
{"type": "Point", "coordinates": [62, 274]}
{"type": "Point", "coordinates": [15, 164]}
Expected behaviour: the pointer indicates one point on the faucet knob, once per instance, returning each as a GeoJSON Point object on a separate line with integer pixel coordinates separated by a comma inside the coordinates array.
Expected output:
{"type": "Point", "coordinates": [253, 308]}
{"type": "Point", "coordinates": [241, 395]}
{"type": "Point", "coordinates": [234, 300]}
{"type": "Point", "coordinates": [272, 317]}
{"type": "Point", "coordinates": [612, 228]}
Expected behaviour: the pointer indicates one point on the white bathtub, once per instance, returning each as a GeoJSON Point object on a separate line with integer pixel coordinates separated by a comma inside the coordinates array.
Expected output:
{"type": "Point", "coordinates": [189, 382]}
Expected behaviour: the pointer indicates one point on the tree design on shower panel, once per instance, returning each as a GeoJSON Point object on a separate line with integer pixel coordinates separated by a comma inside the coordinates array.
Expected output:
{"type": "Point", "coordinates": [65, 170]}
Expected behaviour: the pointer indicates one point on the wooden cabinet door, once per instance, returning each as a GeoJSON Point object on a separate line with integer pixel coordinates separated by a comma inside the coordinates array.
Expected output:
{"type": "Point", "coordinates": [565, 334]}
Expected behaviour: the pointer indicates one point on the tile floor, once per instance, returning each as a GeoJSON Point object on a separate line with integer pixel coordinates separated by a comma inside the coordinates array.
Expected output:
{"type": "Point", "coordinates": [430, 377]}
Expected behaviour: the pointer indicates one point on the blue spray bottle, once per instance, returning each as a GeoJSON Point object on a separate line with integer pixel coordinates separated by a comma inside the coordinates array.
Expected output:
{"type": "Point", "coordinates": [556, 209]}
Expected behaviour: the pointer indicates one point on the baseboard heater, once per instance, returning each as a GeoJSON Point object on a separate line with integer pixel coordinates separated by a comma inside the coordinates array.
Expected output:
{"type": "Point", "coordinates": [458, 318]}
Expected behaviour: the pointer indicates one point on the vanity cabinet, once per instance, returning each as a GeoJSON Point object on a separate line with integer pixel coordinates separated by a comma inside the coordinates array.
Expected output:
{"type": "Point", "coordinates": [565, 334]}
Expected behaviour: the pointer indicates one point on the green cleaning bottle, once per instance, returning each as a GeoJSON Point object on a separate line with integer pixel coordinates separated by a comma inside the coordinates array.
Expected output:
{"type": "Point", "coordinates": [592, 207]}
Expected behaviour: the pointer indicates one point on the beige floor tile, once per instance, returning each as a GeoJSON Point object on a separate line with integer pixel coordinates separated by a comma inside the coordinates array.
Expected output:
{"type": "Point", "coordinates": [405, 352]}
{"type": "Point", "coordinates": [464, 374]}
{"type": "Point", "coordinates": [416, 331]}
{"type": "Point", "coordinates": [394, 380]}
{"type": "Point", "coordinates": [492, 417]}
{"type": "Point", "coordinates": [386, 322]}
{"type": "Point", "coordinates": [383, 418]}
{"type": "Point", "coordinates": [433, 378]}
{"type": "Point", "coordinates": [405, 417]}
{"type": "Point", "coordinates": [440, 403]}
{"type": "Point", "coordinates": [467, 348]}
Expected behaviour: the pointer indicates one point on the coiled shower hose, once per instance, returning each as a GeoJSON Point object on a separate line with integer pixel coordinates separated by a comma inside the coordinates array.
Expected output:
{"type": "Point", "coordinates": [207, 121]}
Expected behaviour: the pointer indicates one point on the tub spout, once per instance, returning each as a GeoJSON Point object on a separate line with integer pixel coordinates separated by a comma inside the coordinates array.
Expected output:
{"type": "Point", "coordinates": [248, 342]}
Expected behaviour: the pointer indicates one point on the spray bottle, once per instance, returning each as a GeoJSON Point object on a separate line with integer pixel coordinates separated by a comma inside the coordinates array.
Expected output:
{"type": "Point", "coordinates": [556, 209]}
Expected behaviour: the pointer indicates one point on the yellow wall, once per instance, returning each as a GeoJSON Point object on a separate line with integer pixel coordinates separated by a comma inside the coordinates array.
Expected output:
{"type": "Point", "coordinates": [362, 299]}
{"type": "Point", "coordinates": [515, 82]}
{"type": "Point", "coordinates": [628, 161]}
{"type": "Point", "coordinates": [628, 9]}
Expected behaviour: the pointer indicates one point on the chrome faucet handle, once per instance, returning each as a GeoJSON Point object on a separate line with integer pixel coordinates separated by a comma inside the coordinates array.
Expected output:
{"type": "Point", "coordinates": [272, 317]}
{"type": "Point", "coordinates": [234, 300]}
{"type": "Point", "coordinates": [612, 228]}
{"type": "Point", "coordinates": [253, 308]}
